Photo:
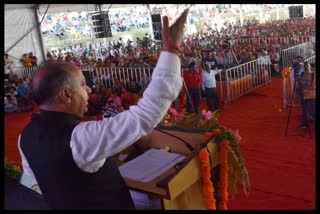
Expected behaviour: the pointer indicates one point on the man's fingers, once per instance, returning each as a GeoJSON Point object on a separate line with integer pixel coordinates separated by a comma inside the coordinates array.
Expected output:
{"type": "Point", "coordinates": [165, 22]}
{"type": "Point", "coordinates": [183, 16]}
{"type": "Point", "coordinates": [181, 20]}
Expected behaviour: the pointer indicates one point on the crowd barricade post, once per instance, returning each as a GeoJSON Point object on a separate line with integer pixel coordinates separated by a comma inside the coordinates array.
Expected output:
{"type": "Point", "coordinates": [289, 54]}
{"type": "Point", "coordinates": [246, 77]}
{"type": "Point", "coordinates": [119, 71]}
{"type": "Point", "coordinates": [135, 74]}
{"type": "Point", "coordinates": [144, 75]}
{"type": "Point", "coordinates": [287, 85]}
{"type": "Point", "coordinates": [128, 76]}
{"type": "Point", "coordinates": [221, 87]}
{"type": "Point", "coordinates": [107, 78]}
{"type": "Point", "coordinates": [311, 60]}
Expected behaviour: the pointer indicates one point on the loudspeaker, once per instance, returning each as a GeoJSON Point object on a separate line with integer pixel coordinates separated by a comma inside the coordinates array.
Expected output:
{"type": "Point", "coordinates": [101, 25]}
{"type": "Point", "coordinates": [296, 12]}
{"type": "Point", "coordinates": [156, 26]}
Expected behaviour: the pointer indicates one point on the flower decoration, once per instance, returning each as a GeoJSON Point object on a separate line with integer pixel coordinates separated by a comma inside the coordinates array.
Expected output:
{"type": "Point", "coordinates": [207, 187]}
{"type": "Point", "coordinates": [232, 166]}
{"type": "Point", "coordinates": [286, 72]}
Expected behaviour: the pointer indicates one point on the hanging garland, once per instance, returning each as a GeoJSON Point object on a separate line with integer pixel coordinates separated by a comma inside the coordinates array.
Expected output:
{"type": "Point", "coordinates": [286, 73]}
{"type": "Point", "coordinates": [232, 166]}
{"type": "Point", "coordinates": [207, 186]}
{"type": "Point", "coordinates": [223, 176]}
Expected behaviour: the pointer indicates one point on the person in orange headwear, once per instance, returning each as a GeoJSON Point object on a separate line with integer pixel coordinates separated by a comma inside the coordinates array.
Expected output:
{"type": "Point", "coordinates": [26, 61]}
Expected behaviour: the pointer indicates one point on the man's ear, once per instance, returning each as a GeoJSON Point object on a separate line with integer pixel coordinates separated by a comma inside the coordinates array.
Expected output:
{"type": "Point", "coordinates": [64, 95]}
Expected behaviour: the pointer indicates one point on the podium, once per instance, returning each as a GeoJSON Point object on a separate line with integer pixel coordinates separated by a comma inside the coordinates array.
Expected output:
{"type": "Point", "coordinates": [180, 187]}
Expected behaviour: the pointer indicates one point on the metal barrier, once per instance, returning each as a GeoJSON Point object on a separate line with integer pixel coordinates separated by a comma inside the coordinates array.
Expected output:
{"type": "Point", "coordinates": [246, 77]}
{"type": "Point", "coordinates": [23, 71]}
{"type": "Point", "coordinates": [106, 76]}
{"type": "Point", "coordinates": [289, 54]}
{"type": "Point", "coordinates": [288, 81]}
{"type": "Point", "coordinates": [101, 75]}
{"type": "Point", "coordinates": [311, 60]}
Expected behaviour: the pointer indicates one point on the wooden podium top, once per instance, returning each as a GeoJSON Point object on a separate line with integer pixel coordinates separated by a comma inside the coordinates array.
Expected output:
{"type": "Point", "coordinates": [178, 178]}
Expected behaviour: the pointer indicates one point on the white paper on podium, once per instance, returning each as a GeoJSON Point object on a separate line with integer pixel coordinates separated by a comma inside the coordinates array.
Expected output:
{"type": "Point", "coordinates": [149, 165]}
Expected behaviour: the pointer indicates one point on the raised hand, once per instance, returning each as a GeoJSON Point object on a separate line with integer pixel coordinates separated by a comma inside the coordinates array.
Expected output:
{"type": "Point", "coordinates": [172, 36]}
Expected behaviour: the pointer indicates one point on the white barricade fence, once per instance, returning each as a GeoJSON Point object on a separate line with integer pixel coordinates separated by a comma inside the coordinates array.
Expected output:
{"type": "Point", "coordinates": [102, 75]}
{"type": "Point", "coordinates": [289, 54]}
{"type": "Point", "coordinates": [311, 60]}
{"type": "Point", "coordinates": [23, 71]}
{"type": "Point", "coordinates": [106, 76]}
{"type": "Point", "coordinates": [246, 77]}
{"type": "Point", "coordinates": [288, 85]}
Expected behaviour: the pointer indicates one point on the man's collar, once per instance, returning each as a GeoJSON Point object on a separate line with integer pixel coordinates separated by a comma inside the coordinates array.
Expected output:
{"type": "Point", "coordinates": [61, 117]}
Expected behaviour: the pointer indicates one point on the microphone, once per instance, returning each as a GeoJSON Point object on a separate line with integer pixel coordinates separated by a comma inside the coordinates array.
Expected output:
{"type": "Point", "coordinates": [188, 145]}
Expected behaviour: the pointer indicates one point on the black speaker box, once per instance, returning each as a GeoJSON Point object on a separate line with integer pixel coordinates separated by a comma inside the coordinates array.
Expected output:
{"type": "Point", "coordinates": [296, 12]}
{"type": "Point", "coordinates": [156, 26]}
{"type": "Point", "coordinates": [101, 25]}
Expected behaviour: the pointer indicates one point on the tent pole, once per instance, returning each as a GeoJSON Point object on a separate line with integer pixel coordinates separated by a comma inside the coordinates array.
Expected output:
{"type": "Point", "coordinates": [19, 40]}
{"type": "Point", "coordinates": [150, 22]}
{"type": "Point", "coordinates": [40, 36]}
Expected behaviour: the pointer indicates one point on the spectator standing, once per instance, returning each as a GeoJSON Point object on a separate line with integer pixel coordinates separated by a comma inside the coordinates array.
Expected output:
{"type": "Point", "coordinates": [193, 81]}
{"type": "Point", "coordinates": [34, 60]}
{"type": "Point", "coordinates": [209, 85]}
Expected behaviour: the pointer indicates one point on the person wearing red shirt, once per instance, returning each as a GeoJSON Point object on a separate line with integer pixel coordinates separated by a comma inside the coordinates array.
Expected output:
{"type": "Point", "coordinates": [192, 79]}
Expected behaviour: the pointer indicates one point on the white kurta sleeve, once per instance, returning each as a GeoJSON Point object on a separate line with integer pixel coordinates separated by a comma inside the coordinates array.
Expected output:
{"type": "Point", "coordinates": [92, 142]}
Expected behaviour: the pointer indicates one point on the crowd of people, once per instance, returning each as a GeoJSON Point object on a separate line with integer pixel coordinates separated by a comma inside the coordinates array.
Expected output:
{"type": "Point", "coordinates": [220, 50]}
{"type": "Point", "coordinates": [17, 94]}
{"type": "Point", "coordinates": [229, 47]}
{"type": "Point", "coordinates": [70, 162]}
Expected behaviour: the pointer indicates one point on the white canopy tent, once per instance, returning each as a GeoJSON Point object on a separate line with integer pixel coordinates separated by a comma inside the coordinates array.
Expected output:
{"type": "Point", "coordinates": [22, 29]}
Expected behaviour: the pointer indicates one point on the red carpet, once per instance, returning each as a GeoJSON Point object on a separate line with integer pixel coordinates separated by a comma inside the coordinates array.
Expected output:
{"type": "Point", "coordinates": [281, 168]}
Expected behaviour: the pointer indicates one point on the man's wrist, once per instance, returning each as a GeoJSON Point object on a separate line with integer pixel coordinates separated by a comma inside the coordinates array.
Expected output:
{"type": "Point", "coordinates": [173, 49]}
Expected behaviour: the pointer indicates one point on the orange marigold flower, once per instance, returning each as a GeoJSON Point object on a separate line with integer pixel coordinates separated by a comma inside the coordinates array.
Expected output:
{"type": "Point", "coordinates": [203, 155]}
{"type": "Point", "coordinates": [207, 136]}
{"type": "Point", "coordinates": [211, 207]}
{"type": "Point", "coordinates": [208, 187]}
{"type": "Point", "coordinates": [206, 192]}
{"type": "Point", "coordinates": [210, 203]}
{"type": "Point", "coordinates": [204, 163]}
{"type": "Point", "coordinates": [206, 175]}
{"type": "Point", "coordinates": [216, 131]}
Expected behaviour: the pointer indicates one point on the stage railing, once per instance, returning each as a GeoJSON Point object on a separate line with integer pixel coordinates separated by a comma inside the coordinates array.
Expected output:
{"type": "Point", "coordinates": [102, 75]}
{"type": "Point", "coordinates": [23, 71]}
{"type": "Point", "coordinates": [106, 76]}
{"type": "Point", "coordinates": [311, 60]}
{"type": "Point", "coordinates": [246, 77]}
{"type": "Point", "coordinates": [257, 40]}
{"type": "Point", "coordinates": [288, 82]}
{"type": "Point", "coordinates": [287, 55]}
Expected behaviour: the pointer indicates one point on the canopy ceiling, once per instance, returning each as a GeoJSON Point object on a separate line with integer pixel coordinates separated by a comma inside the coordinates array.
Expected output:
{"type": "Point", "coordinates": [57, 8]}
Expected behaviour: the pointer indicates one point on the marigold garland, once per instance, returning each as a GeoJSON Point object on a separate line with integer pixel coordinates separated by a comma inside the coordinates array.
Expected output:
{"type": "Point", "coordinates": [207, 136]}
{"type": "Point", "coordinates": [207, 186]}
{"type": "Point", "coordinates": [286, 73]}
{"type": "Point", "coordinates": [232, 166]}
{"type": "Point", "coordinates": [223, 176]}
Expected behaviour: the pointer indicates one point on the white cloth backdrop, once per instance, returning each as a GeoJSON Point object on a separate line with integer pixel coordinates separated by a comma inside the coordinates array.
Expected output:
{"type": "Point", "coordinates": [17, 23]}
